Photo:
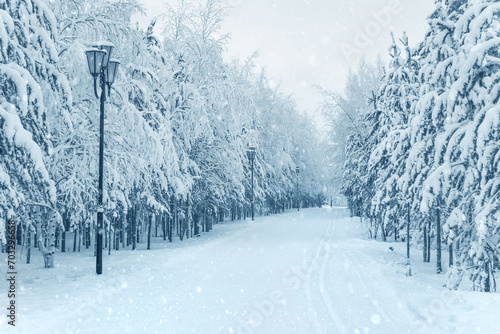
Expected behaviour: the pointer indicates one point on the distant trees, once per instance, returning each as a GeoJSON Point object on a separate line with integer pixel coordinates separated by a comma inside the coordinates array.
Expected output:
{"type": "Point", "coordinates": [178, 123]}
{"type": "Point", "coordinates": [433, 138]}
{"type": "Point", "coordinates": [351, 137]}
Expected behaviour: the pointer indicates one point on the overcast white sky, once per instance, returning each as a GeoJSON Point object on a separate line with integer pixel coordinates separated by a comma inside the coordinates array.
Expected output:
{"type": "Point", "coordinates": [314, 42]}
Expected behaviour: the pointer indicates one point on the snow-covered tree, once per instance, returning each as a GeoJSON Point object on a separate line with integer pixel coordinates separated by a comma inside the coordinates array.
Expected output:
{"type": "Point", "coordinates": [387, 161]}
{"type": "Point", "coordinates": [350, 145]}
{"type": "Point", "coordinates": [32, 89]}
{"type": "Point", "coordinates": [473, 118]}
{"type": "Point", "coordinates": [434, 136]}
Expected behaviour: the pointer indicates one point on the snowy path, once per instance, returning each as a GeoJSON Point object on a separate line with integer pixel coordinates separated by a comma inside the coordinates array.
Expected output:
{"type": "Point", "coordinates": [298, 272]}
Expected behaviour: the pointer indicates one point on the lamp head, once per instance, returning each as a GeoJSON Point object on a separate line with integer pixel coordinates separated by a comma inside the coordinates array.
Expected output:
{"type": "Point", "coordinates": [251, 153]}
{"type": "Point", "coordinates": [105, 46]}
{"type": "Point", "coordinates": [95, 59]}
{"type": "Point", "coordinates": [111, 71]}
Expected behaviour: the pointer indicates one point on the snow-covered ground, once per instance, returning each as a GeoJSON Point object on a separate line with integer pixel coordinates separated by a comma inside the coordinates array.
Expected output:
{"type": "Point", "coordinates": [311, 271]}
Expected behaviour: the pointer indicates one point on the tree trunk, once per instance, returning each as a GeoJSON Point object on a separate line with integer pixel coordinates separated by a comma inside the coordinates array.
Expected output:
{"type": "Point", "coordinates": [408, 233]}
{"type": "Point", "coordinates": [170, 221]}
{"type": "Point", "coordinates": [117, 233]}
{"type": "Point", "coordinates": [189, 233]}
{"type": "Point", "coordinates": [149, 231]}
{"type": "Point", "coordinates": [377, 223]}
{"type": "Point", "coordinates": [176, 217]}
{"type": "Point", "coordinates": [209, 220]}
{"type": "Point", "coordinates": [126, 229]}
{"type": "Point", "coordinates": [139, 227]}
{"type": "Point", "coordinates": [80, 237]}
{"type": "Point", "coordinates": [95, 239]}
{"type": "Point", "coordinates": [47, 252]}
{"type": "Point", "coordinates": [35, 239]}
{"type": "Point", "coordinates": [371, 228]}
{"type": "Point", "coordinates": [487, 281]}
{"type": "Point", "coordinates": [438, 241]}
{"type": "Point", "coordinates": [106, 235]}
{"type": "Point", "coordinates": [134, 228]}
{"type": "Point", "coordinates": [181, 224]}
{"type": "Point", "coordinates": [450, 253]}
{"type": "Point", "coordinates": [123, 228]}
{"type": "Point", "coordinates": [63, 241]}
{"type": "Point", "coordinates": [19, 234]}
{"type": "Point", "coordinates": [129, 226]}
{"type": "Point", "coordinates": [28, 245]}
{"type": "Point", "coordinates": [74, 239]}
{"type": "Point", "coordinates": [425, 243]}
{"type": "Point", "coordinates": [87, 237]}
{"type": "Point", "coordinates": [203, 221]}
{"type": "Point", "coordinates": [156, 227]}
{"type": "Point", "coordinates": [164, 226]}
{"type": "Point", "coordinates": [429, 239]}
{"type": "Point", "coordinates": [110, 233]}
{"type": "Point", "coordinates": [382, 230]}
{"type": "Point", "coordinates": [58, 230]}
{"type": "Point", "coordinates": [66, 224]}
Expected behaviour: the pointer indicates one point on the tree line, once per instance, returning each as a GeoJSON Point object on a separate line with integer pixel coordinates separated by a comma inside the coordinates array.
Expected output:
{"type": "Point", "coordinates": [422, 146]}
{"type": "Point", "coordinates": [179, 120]}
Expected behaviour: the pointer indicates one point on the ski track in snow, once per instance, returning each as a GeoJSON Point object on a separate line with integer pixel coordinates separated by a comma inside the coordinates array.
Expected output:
{"type": "Point", "coordinates": [308, 290]}
{"type": "Point", "coordinates": [325, 293]}
{"type": "Point", "coordinates": [224, 281]}
{"type": "Point", "coordinates": [360, 278]}
{"type": "Point", "coordinates": [327, 302]}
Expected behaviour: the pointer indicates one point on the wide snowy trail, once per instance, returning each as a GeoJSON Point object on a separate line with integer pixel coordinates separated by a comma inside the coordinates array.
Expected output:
{"type": "Point", "coordinates": [298, 272]}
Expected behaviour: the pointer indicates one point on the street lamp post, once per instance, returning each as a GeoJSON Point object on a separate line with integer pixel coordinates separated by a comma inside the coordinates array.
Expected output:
{"type": "Point", "coordinates": [297, 170]}
{"type": "Point", "coordinates": [251, 158]}
{"type": "Point", "coordinates": [100, 66]}
{"type": "Point", "coordinates": [331, 186]}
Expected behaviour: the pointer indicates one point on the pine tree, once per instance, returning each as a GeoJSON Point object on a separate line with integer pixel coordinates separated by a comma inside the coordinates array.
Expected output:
{"type": "Point", "coordinates": [387, 161]}
{"type": "Point", "coordinates": [473, 107]}
{"type": "Point", "coordinates": [434, 54]}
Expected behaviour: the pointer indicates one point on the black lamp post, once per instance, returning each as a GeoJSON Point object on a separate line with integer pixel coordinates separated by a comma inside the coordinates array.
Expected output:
{"type": "Point", "coordinates": [100, 66]}
{"type": "Point", "coordinates": [251, 157]}
{"type": "Point", "coordinates": [331, 185]}
{"type": "Point", "coordinates": [297, 170]}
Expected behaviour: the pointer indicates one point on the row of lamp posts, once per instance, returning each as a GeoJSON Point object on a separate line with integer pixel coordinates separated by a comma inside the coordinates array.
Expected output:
{"type": "Point", "coordinates": [297, 170]}
{"type": "Point", "coordinates": [251, 157]}
{"type": "Point", "coordinates": [104, 69]}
